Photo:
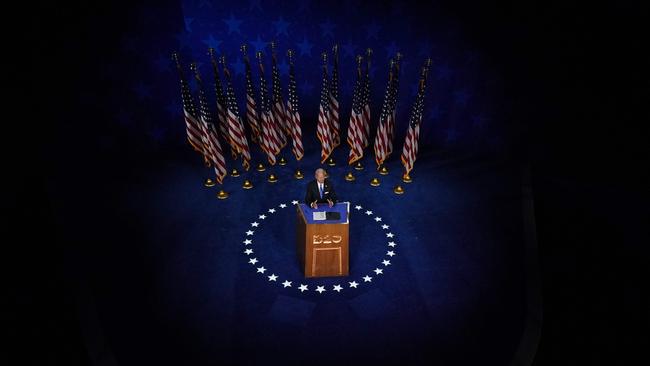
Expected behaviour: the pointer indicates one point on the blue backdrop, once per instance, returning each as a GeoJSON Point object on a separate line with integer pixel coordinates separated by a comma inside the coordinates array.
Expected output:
{"type": "Point", "coordinates": [465, 105]}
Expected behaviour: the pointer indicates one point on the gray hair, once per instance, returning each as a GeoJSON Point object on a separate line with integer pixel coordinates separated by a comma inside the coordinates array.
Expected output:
{"type": "Point", "coordinates": [319, 170]}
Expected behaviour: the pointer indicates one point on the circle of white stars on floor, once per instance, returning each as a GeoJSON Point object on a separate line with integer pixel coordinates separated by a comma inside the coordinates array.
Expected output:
{"type": "Point", "coordinates": [320, 289]}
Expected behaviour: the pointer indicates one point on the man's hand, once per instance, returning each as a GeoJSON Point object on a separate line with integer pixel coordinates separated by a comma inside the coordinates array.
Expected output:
{"type": "Point", "coordinates": [329, 201]}
{"type": "Point", "coordinates": [314, 205]}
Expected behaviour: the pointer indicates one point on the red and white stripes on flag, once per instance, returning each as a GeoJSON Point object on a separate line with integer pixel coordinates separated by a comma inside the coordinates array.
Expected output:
{"type": "Point", "coordinates": [279, 114]}
{"type": "Point", "coordinates": [216, 154]}
{"type": "Point", "coordinates": [209, 133]}
{"type": "Point", "coordinates": [269, 138]}
{"type": "Point", "coordinates": [222, 111]}
{"type": "Point", "coordinates": [293, 116]}
{"type": "Point", "coordinates": [323, 128]}
{"type": "Point", "coordinates": [383, 139]}
{"type": "Point", "coordinates": [235, 124]}
{"type": "Point", "coordinates": [194, 133]}
{"type": "Point", "coordinates": [192, 125]}
{"type": "Point", "coordinates": [296, 131]}
{"type": "Point", "coordinates": [355, 128]}
{"type": "Point", "coordinates": [251, 107]}
{"type": "Point", "coordinates": [411, 144]}
{"type": "Point", "coordinates": [365, 102]}
{"type": "Point", "coordinates": [335, 126]}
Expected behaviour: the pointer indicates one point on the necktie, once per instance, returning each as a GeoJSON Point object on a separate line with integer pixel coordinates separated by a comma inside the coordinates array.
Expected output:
{"type": "Point", "coordinates": [320, 188]}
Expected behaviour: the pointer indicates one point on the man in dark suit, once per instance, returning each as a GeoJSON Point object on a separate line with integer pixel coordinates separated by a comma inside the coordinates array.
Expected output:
{"type": "Point", "coordinates": [320, 190]}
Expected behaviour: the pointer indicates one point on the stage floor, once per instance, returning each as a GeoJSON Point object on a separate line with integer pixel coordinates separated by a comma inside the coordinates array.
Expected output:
{"type": "Point", "coordinates": [173, 282]}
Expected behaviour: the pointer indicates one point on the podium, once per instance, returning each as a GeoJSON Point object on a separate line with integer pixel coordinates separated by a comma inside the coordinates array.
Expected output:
{"type": "Point", "coordinates": [322, 245]}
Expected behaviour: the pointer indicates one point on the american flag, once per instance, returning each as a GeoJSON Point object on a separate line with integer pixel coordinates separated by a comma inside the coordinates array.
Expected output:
{"type": "Point", "coordinates": [210, 139]}
{"type": "Point", "coordinates": [393, 104]}
{"type": "Point", "coordinates": [269, 138]}
{"type": "Point", "coordinates": [334, 100]}
{"type": "Point", "coordinates": [410, 149]}
{"type": "Point", "coordinates": [251, 112]}
{"type": "Point", "coordinates": [292, 112]}
{"type": "Point", "coordinates": [355, 129]}
{"type": "Point", "coordinates": [323, 129]}
{"type": "Point", "coordinates": [365, 102]}
{"type": "Point", "coordinates": [221, 105]}
{"type": "Point", "coordinates": [382, 137]}
{"type": "Point", "coordinates": [279, 114]}
{"type": "Point", "coordinates": [235, 124]}
{"type": "Point", "coordinates": [192, 124]}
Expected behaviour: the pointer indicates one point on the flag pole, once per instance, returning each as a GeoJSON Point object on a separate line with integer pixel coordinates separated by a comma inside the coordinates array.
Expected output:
{"type": "Point", "coordinates": [188, 107]}
{"type": "Point", "coordinates": [252, 109]}
{"type": "Point", "coordinates": [210, 140]}
{"type": "Point", "coordinates": [365, 129]}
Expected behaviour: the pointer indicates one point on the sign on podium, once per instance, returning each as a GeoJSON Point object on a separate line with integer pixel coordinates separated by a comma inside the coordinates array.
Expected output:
{"type": "Point", "coordinates": [322, 239]}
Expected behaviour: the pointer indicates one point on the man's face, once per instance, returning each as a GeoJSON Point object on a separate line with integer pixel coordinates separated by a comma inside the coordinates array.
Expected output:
{"type": "Point", "coordinates": [320, 176]}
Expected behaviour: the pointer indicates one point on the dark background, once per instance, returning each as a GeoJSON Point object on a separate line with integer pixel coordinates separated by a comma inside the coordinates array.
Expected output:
{"type": "Point", "coordinates": [581, 78]}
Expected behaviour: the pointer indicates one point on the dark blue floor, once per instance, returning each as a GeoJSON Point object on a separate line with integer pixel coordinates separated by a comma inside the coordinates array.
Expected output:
{"type": "Point", "coordinates": [179, 288]}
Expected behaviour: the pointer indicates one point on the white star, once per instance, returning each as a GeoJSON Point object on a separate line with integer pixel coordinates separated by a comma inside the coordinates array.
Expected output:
{"type": "Point", "coordinates": [377, 218]}
{"type": "Point", "coordinates": [367, 279]}
{"type": "Point", "coordinates": [255, 224]}
{"type": "Point", "coordinates": [262, 217]}
{"type": "Point", "coordinates": [390, 252]}
{"type": "Point", "coordinates": [338, 288]}
{"type": "Point", "coordinates": [282, 205]}
{"type": "Point", "coordinates": [303, 288]}
{"type": "Point", "coordinates": [386, 262]}
{"type": "Point", "coordinates": [249, 232]}
{"type": "Point", "coordinates": [247, 241]}
{"type": "Point", "coordinates": [272, 277]}
{"type": "Point", "coordinates": [353, 284]}
{"type": "Point", "coordinates": [252, 260]}
{"type": "Point", "coordinates": [271, 210]}
{"type": "Point", "coordinates": [358, 207]}
{"type": "Point", "coordinates": [248, 251]}
{"type": "Point", "coordinates": [286, 283]}
{"type": "Point", "coordinates": [261, 269]}
{"type": "Point", "coordinates": [320, 289]}
{"type": "Point", "coordinates": [384, 226]}
{"type": "Point", "coordinates": [390, 235]}
{"type": "Point", "coordinates": [391, 244]}
{"type": "Point", "coordinates": [379, 271]}
{"type": "Point", "coordinates": [294, 202]}
{"type": "Point", "coordinates": [368, 213]}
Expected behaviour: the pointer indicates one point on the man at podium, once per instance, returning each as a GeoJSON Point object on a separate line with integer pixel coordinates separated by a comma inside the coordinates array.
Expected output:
{"type": "Point", "coordinates": [320, 190]}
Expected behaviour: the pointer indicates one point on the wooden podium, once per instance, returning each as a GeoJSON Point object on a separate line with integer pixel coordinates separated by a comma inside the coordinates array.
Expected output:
{"type": "Point", "coordinates": [322, 245]}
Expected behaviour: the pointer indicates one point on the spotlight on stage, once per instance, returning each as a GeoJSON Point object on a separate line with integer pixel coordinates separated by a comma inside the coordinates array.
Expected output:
{"type": "Point", "coordinates": [222, 195]}
{"type": "Point", "coordinates": [298, 174]}
{"type": "Point", "coordinates": [247, 184]}
{"type": "Point", "coordinates": [234, 172]}
{"type": "Point", "coordinates": [272, 178]}
{"type": "Point", "coordinates": [208, 182]}
{"type": "Point", "coordinates": [374, 182]}
{"type": "Point", "coordinates": [349, 177]}
{"type": "Point", "coordinates": [260, 167]}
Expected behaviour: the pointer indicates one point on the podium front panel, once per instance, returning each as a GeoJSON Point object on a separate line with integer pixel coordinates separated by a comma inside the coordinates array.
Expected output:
{"type": "Point", "coordinates": [322, 247]}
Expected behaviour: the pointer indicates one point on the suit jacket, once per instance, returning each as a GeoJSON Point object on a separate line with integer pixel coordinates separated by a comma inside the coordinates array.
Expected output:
{"type": "Point", "coordinates": [313, 194]}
